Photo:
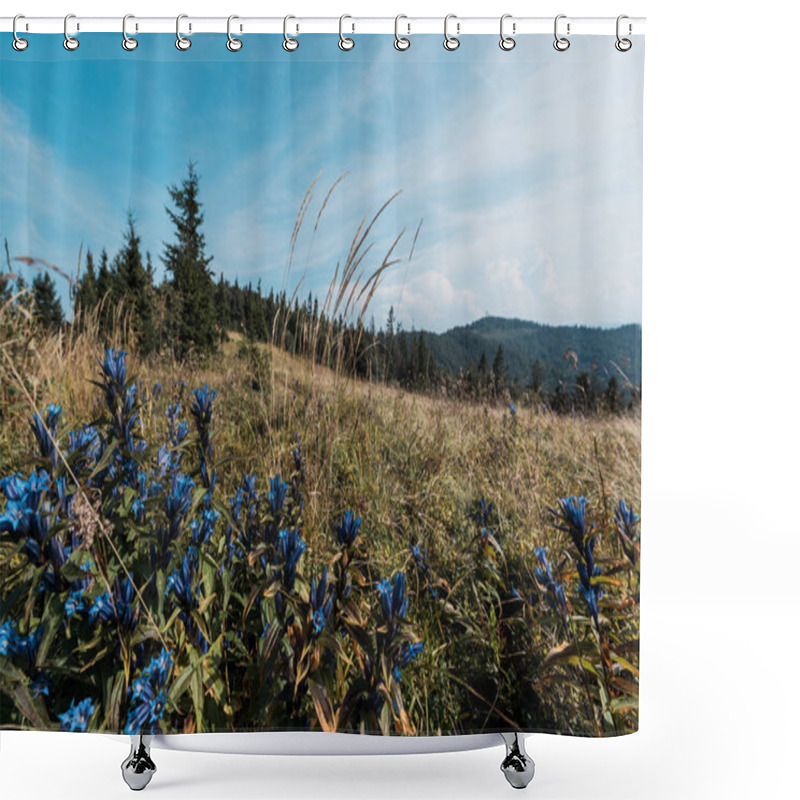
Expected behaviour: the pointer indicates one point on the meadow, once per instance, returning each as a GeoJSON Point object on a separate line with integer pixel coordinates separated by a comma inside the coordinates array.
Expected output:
{"type": "Point", "coordinates": [249, 540]}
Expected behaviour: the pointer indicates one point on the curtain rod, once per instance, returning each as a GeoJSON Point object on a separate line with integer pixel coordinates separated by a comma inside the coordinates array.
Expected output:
{"type": "Point", "coordinates": [242, 25]}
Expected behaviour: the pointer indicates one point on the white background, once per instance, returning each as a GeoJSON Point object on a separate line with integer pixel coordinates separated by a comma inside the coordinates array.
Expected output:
{"type": "Point", "coordinates": [721, 560]}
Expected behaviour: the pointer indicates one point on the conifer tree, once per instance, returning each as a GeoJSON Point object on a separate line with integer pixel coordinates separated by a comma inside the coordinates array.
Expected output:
{"type": "Point", "coordinates": [193, 318]}
{"type": "Point", "coordinates": [86, 295]}
{"type": "Point", "coordinates": [134, 287]}
{"type": "Point", "coordinates": [46, 305]}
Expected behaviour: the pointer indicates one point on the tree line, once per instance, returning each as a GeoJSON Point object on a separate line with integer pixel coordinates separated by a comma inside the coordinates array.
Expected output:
{"type": "Point", "coordinates": [188, 312]}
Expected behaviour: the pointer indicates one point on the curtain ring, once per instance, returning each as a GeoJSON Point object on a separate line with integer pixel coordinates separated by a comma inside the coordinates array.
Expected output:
{"type": "Point", "coordinates": [233, 44]}
{"type": "Point", "coordinates": [18, 43]}
{"type": "Point", "coordinates": [70, 42]}
{"type": "Point", "coordinates": [623, 45]}
{"type": "Point", "coordinates": [451, 42]}
{"type": "Point", "coordinates": [506, 42]}
{"type": "Point", "coordinates": [400, 42]}
{"type": "Point", "coordinates": [181, 42]}
{"type": "Point", "coordinates": [345, 42]}
{"type": "Point", "coordinates": [290, 44]}
{"type": "Point", "coordinates": [561, 43]}
{"type": "Point", "coordinates": [128, 42]}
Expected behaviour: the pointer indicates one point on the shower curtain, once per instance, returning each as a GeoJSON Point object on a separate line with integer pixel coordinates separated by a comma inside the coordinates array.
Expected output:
{"type": "Point", "coordinates": [321, 378]}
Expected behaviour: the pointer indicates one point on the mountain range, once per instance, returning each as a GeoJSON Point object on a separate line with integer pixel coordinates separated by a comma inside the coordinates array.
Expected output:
{"type": "Point", "coordinates": [563, 351]}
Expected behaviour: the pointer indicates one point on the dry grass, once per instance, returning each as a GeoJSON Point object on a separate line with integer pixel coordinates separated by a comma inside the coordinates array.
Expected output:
{"type": "Point", "coordinates": [411, 465]}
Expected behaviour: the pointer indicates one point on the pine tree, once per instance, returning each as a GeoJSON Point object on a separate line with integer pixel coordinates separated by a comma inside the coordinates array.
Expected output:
{"type": "Point", "coordinates": [46, 305]}
{"type": "Point", "coordinates": [612, 394]}
{"type": "Point", "coordinates": [134, 287]}
{"type": "Point", "coordinates": [193, 318]}
{"type": "Point", "coordinates": [105, 293]}
{"type": "Point", "coordinates": [86, 295]}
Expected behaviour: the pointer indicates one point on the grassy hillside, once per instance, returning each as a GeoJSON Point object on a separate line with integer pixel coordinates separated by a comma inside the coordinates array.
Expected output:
{"type": "Point", "coordinates": [454, 497]}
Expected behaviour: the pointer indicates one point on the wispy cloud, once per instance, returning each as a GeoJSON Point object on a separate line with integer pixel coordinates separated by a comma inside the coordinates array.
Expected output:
{"type": "Point", "coordinates": [527, 173]}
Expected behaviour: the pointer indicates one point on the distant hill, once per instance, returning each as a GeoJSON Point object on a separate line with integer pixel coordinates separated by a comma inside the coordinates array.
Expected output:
{"type": "Point", "coordinates": [523, 342]}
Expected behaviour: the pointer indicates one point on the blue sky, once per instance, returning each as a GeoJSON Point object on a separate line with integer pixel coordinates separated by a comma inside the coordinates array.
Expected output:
{"type": "Point", "coordinates": [525, 167]}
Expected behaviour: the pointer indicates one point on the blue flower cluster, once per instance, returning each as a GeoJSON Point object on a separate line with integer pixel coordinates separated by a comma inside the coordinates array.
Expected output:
{"type": "Point", "coordinates": [321, 600]}
{"type": "Point", "coordinates": [203, 412]}
{"type": "Point", "coordinates": [76, 718]}
{"type": "Point", "coordinates": [554, 591]}
{"type": "Point", "coordinates": [393, 598]}
{"type": "Point", "coordinates": [290, 548]}
{"type": "Point", "coordinates": [347, 529]}
{"type": "Point", "coordinates": [408, 652]}
{"type": "Point", "coordinates": [181, 583]}
{"type": "Point", "coordinates": [46, 433]}
{"type": "Point", "coordinates": [26, 517]}
{"type": "Point", "coordinates": [15, 644]}
{"type": "Point", "coordinates": [148, 696]}
{"type": "Point", "coordinates": [117, 606]}
{"type": "Point", "coordinates": [424, 569]}
{"type": "Point", "coordinates": [150, 501]}
{"type": "Point", "coordinates": [570, 517]}
{"type": "Point", "coordinates": [627, 522]}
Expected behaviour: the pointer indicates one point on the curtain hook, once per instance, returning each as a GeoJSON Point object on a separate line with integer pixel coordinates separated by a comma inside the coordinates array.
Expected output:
{"type": "Point", "coordinates": [233, 44]}
{"type": "Point", "coordinates": [345, 42]}
{"type": "Point", "coordinates": [128, 42]}
{"type": "Point", "coordinates": [400, 42]}
{"type": "Point", "coordinates": [18, 43]}
{"type": "Point", "coordinates": [507, 42]}
{"type": "Point", "coordinates": [181, 42]}
{"type": "Point", "coordinates": [561, 43]}
{"type": "Point", "coordinates": [290, 44]}
{"type": "Point", "coordinates": [623, 45]}
{"type": "Point", "coordinates": [70, 42]}
{"type": "Point", "coordinates": [451, 42]}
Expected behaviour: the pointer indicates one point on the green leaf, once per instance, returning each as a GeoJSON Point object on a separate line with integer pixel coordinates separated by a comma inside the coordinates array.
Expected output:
{"type": "Point", "coordinates": [196, 685]}
{"type": "Point", "coordinates": [70, 571]}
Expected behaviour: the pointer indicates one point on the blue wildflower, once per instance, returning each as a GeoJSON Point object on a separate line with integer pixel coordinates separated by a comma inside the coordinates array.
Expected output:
{"type": "Point", "coordinates": [484, 512]}
{"type": "Point", "coordinates": [513, 409]}
{"type": "Point", "coordinates": [46, 432]}
{"type": "Point", "coordinates": [178, 501]}
{"type": "Point", "coordinates": [117, 606]}
{"type": "Point", "coordinates": [290, 548]}
{"type": "Point", "coordinates": [87, 440]}
{"type": "Point", "coordinates": [627, 521]}
{"type": "Point", "coordinates": [74, 602]}
{"type": "Point", "coordinates": [321, 601]}
{"type": "Point", "coordinates": [591, 593]}
{"type": "Point", "coordinates": [393, 597]}
{"type": "Point", "coordinates": [555, 590]}
{"type": "Point", "coordinates": [149, 696]}
{"type": "Point", "coordinates": [114, 367]}
{"type": "Point", "coordinates": [203, 529]}
{"type": "Point", "coordinates": [408, 652]}
{"type": "Point", "coordinates": [571, 518]}
{"type": "Point", "coordinates": [202, 411]}
{"type": "Point", "coordinates": [7, 638]}
{"type": "Point", "coordinates": [181, 581]}
{"type": "Point", "coordinates": [76, 718]}
{"type": "Point", "coordinates": [26, 515]}
{"type": "Point", "coordinates": [277, 494]}
{"type": "Point", "coordinates": [40, 686]}
{"type": "Point", "coordinates": [202, 408]}
{"type": "Point", "coordinates": [347, 529]}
